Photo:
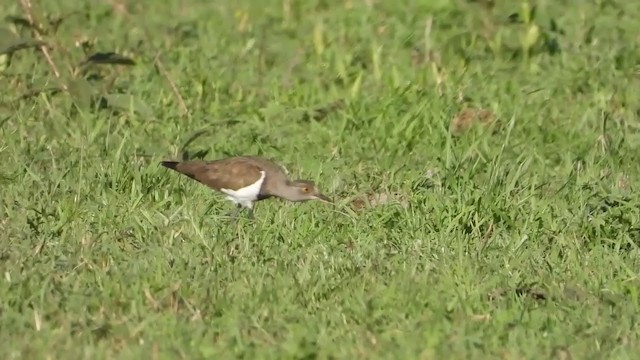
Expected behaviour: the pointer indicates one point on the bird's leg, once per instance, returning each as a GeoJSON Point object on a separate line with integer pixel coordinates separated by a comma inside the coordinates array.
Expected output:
{"type": "Point", "coordinates": [250, 211]}
{"type": "Point", "coordinates": [234, 214]}
{"type": "Point", "coordinates": [249, 205]}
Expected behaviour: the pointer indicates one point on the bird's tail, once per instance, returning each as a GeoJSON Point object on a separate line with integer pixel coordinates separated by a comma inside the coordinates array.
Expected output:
{"type": "Point", "coordinates": [169, 164]}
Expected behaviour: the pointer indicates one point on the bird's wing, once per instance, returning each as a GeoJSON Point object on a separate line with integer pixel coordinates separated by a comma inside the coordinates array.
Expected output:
{"type": "Point", "coordinates": [222, 174]}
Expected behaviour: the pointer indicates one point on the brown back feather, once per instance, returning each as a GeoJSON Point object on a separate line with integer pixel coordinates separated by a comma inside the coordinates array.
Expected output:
{"type": "Point", "coordinates": [230, 173]}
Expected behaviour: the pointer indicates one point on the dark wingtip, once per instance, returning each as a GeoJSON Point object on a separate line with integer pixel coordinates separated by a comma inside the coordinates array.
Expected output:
{"type": "Point", "coordinates": [169, 164]}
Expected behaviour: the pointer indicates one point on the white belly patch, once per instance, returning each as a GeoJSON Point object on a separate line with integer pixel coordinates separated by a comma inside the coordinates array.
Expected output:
{"type": "Point", "coordinates": [247, 195]}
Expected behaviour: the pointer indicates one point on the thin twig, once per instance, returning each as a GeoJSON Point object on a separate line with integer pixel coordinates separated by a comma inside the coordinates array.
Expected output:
{"type": "Point", "coordinates": [28, 10]}
{"type": "Point", "coordinates": [120, 8]}
{"type": "Point", "coordinates": [428, 50]}
{"type": "Point", "coordinates": [160, 66]}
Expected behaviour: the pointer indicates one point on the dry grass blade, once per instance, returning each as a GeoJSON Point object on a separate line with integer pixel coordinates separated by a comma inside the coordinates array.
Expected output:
{"type": "Point", "coordinates": [372, 200]}
{"type": "Point", "coordinates": [121, 8]}
{"type": "Point", "coordinates": [469, 117]}
{"type": "Point", "coordinates": [321, 112]}
{"type": "Point", "coordinates": [184, 110]}
{"type": "Point", "coordinates": [28, 10]}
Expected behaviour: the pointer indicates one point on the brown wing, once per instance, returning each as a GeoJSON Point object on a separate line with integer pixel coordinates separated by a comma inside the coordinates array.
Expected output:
{"type": "Point", "coordinates": [232, 173]}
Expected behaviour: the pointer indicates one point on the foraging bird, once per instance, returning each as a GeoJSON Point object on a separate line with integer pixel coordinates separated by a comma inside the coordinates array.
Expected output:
{"type": "Point", "coordinates": [247, 179]}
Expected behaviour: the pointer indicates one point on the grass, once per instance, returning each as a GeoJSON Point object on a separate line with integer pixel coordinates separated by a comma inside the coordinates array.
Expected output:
{"type": "Point", "coordinates": [514, 238]}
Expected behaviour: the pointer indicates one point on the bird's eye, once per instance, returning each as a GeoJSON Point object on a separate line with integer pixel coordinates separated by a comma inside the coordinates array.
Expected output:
{"type": "Point", "coordinates": [305, 189]}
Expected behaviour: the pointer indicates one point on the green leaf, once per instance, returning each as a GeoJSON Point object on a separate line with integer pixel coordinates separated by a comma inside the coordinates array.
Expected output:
{"type": "Point", "coordinates": [125, 102]}
{"type": "Point", "coordinates": [531, 37]}
{"type": "Point", "coordinates": [55, 22]}
{"type": "Point", "coordinates": [42, 85]}
{"type": "Point", "coordinates": [6, 35]}
{"type": "Point", "coordinates": [82, 93]}
{"type": "Point", "coordinates": [5, 179]}
{"type": "Point", "coordinates": [5, 115]}
{"type": "Point", "coordinates": [10, 43]}
{"type": "Point", "coordinates": [527, 12]}
{"type": "Point", "coordinates": [355, 87]}
{"type": "Point", "coordinates": [5, 61]}
{"type": "Point", "coordinates": [19, 20]}
{"type": "Point", "coordinates": [19, 44]}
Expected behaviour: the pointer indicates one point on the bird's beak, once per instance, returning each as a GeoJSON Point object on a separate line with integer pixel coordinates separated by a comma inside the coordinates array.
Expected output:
{"type": "Point", "coordinates": [323, 198]}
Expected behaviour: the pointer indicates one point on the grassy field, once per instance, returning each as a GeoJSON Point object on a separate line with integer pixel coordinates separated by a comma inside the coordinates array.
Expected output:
{"type": "Point", "coordinates": [484, 161]}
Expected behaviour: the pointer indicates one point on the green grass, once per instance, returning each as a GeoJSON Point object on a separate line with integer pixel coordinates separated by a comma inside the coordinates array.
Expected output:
{"type": "Point", "coordinates": [513, 241]}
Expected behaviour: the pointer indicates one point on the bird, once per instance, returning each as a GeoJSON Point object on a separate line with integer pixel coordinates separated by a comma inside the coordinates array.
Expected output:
{"type": "Point", "coordinates": [247, 179]}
